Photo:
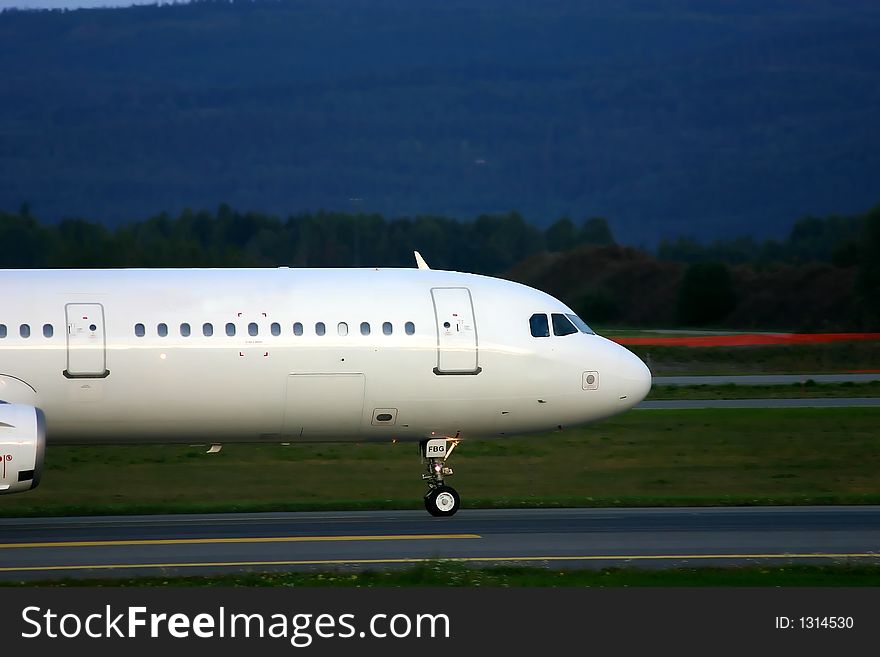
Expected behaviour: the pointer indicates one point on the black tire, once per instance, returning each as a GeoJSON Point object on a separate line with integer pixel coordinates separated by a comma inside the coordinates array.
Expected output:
{"type": "Point", "coordinates": [442, 501]}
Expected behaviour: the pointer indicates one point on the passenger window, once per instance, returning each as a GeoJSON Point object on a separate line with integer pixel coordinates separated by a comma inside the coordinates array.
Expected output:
{"type": "Point", "coordinates": [342, 328]}
{"type": "Point", "coordinates": [581, 324]}
{"type": "Point", "coordinates": [297, 329]}
{"type": "Point", "coordinates": [185, 330]}
{"type": "Point", "coordinates": [253, 329]}
{"type": "Point", "coordinates": [230, 330]}
{"type": "Point", "coordinates": [162, 330]}
{"type": "Point", "coordinates": [2, 331]}
{"type": "Point", "coordinates": [207, 330]}
{"type": "Point", "coordinates": [139, 330]}
{"type": "Point", "coordinates": [410, 328]}
{"type": "Point", "coordinates": [562, 325]}
{"type": "Point", "coordinates": [365, 328]}
{"type": "Point", "coordinates": [25, 330]}
{"type": "Point", "coordinates": [48, 331]}
{"type": "Point", "coordinates": [276, 329]}
{"type": "Point", "coordinates": [320, 329]}
{"type": "Point", "coordinates": [539, 325]}
{"type": "Point", "coordinates": [387, 328]}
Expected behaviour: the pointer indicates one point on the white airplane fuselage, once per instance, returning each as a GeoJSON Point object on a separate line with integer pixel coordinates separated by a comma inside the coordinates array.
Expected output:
{"type": "Point", "coordinates": [286, 355]}
{"type": "Point", "coordinates": [405, 354]}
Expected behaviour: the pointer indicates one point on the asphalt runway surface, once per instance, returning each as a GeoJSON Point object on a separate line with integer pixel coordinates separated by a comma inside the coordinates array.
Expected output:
{"type": "Point", "coordinates": [806, 402]}
{"type": "Point", "coordinates": [765, 379]}
{"type": "Point", "coordinates": [54, 548]}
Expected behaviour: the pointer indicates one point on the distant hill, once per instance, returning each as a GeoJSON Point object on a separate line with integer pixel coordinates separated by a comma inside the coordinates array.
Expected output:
{"type": "Point", "coordinates": [669, 118]}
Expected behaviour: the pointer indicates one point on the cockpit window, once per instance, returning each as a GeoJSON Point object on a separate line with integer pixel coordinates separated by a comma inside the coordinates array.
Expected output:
{"type": "Point", "coordinates": [539, 325]}
{"type": "Point", "coordinates": [581, 324]}
{"type": "Point", "coordinates": [562, 325]}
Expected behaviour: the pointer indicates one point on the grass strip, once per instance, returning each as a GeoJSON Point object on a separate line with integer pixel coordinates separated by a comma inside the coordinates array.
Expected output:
{"type": "Point", "coordinates": [807, 390]}
{"type": "Point", "coordinates": [648, 458]}
{"type": "Point", "coordinates": [568, 502]}
{"type": "Point", "coordinates": [451, 574]}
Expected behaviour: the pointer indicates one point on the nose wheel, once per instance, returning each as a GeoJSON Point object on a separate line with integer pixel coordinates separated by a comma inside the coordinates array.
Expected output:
{"type": "Point", "coordinates": [441, 500]}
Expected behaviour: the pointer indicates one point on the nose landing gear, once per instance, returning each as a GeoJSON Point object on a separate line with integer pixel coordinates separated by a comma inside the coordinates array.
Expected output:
{"type": "Point", "coordinates": [441, 500]}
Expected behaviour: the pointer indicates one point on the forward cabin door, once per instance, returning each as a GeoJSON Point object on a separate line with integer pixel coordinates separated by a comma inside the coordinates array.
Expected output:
{"type": "Point", "coordinates": [457, 351]}
{"type": "Point", "coordinates": [86, 341]}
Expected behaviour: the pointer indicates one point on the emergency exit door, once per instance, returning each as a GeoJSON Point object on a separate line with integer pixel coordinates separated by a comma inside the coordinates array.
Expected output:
{"type": "Point", "coordinates": [456, 331]}
{"type": "Point", "coordinates": [86, 341]}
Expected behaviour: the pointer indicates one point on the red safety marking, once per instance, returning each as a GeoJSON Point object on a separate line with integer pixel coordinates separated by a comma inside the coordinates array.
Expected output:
{"type": "Point", "coordinates": [746, 339]}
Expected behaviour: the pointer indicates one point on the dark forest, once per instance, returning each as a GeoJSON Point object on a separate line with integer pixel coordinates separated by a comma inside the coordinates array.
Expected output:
{"type": "Point", "coordinates": [825, 275]}
{"type": "Point", "coordinates": [672, 118]}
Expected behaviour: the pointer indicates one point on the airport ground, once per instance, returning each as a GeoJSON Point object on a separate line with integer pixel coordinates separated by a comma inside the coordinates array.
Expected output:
{"type": "Point", "coordinates": [836, 541]}
{"type": "Point", "coordinates": [647, 458]}
{"type": "Point", "coordinates": [642, 458]}
{"type": "Point", "coordinates": [822, 358]}
{"type": "Point", "coordinates": [447, 573]}
{"type": "Point", "coordinates": [808, 389]}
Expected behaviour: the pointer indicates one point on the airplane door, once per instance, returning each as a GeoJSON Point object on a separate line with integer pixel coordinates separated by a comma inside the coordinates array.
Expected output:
{"type": "Point", "coordinates": [456, 331]}
{"type": "Point", "coordinates": [86, 341]}
{"type": "Point", "coordinates": [324, 406]}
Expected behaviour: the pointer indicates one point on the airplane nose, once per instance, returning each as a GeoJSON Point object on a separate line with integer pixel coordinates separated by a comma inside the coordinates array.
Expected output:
{"type": "Point", "coordinates": [644, 380]}
{"type": "Point", "coordinates": [635, 378]}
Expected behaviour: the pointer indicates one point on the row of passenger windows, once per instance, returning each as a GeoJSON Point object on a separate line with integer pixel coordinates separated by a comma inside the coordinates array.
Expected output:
{"type": "Point", "coordinates": [24, 330]}
{"type": "Point", "coordinates": [563, 324]}
{"type": "Point", "coordinates": [253, 329]}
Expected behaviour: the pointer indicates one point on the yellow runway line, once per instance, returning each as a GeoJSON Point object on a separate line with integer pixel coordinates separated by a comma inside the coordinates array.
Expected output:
{"type": "Point", "coordinates": [256, 539]}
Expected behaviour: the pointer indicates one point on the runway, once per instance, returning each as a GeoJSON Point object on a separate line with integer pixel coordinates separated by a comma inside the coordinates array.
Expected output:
{"type": "Point", "coordinates": [53, 548]}
{"type": "Point", "coordinates": [806, 402]}
{"type": "Point", "coordinates": [765, 379]}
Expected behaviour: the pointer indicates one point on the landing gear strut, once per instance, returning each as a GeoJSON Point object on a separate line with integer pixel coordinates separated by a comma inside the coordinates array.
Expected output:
{"type": "Point", "coordinates": [441, 500]}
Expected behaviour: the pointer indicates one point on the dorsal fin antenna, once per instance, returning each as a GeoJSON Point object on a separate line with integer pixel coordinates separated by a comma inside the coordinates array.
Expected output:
{"type": "Point", "coordinates": [420, 261]}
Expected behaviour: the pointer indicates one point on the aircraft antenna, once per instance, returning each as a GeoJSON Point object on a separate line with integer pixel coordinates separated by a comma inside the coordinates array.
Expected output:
{"type": "Point", "coordinates": [420, 261]}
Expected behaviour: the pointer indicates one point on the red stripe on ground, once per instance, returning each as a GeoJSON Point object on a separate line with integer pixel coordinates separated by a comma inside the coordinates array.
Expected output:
{"type": "Point", "coordinates": [747, 339]}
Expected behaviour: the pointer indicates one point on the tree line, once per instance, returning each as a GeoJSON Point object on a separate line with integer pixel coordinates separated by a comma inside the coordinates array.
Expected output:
{"type": "Point", "coordinates": [824, 275]}
{"type": "Point", "coordinates": [489, 244]}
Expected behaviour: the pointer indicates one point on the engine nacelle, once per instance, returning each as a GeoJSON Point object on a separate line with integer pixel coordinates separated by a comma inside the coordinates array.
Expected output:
{"type": "Point", "coordinates": [22, 447]}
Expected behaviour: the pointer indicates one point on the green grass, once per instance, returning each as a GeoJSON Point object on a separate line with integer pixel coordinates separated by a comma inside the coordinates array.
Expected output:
{"type": "Point", "coordinates": [772, 359]}
{"type": "Point", "coordinates": [451, 574]}
{"type": "Point", "coordinates": [808, 390]}
{"type": "Point", "coordinates": [701, 457]}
